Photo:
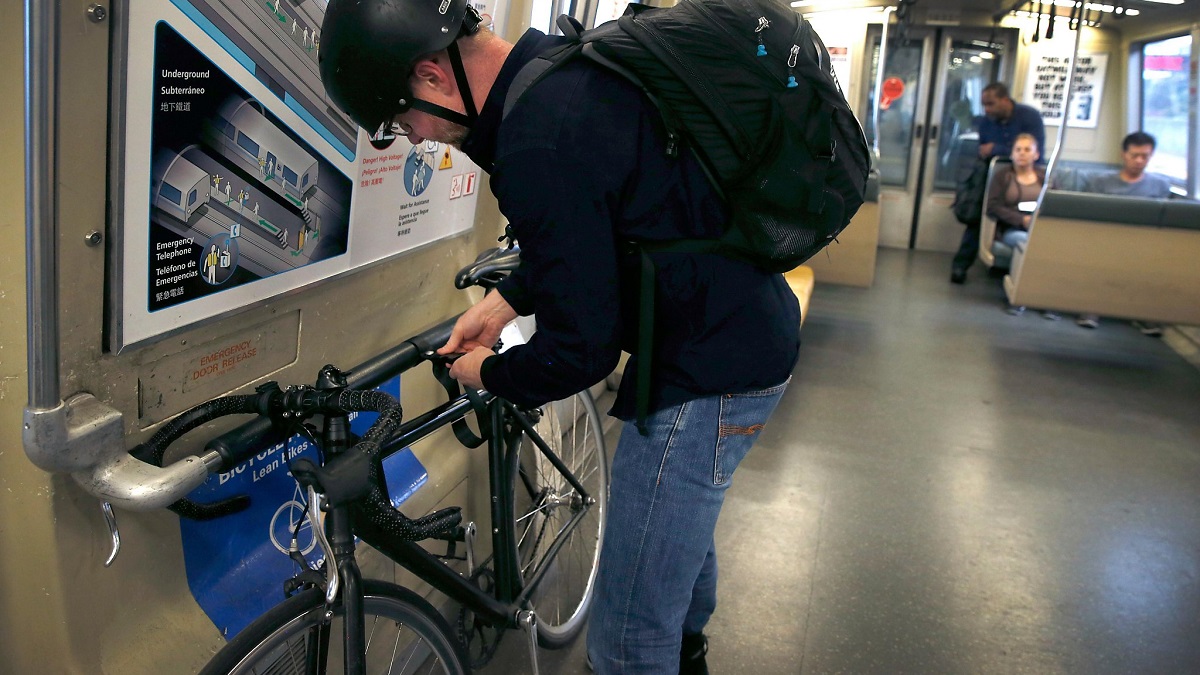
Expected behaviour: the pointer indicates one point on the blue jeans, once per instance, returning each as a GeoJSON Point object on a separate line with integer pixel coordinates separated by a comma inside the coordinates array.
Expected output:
{"type": "Point", "coordinates": [658, 565]}
{"type": "Point", "coordinates": [1014, 236]}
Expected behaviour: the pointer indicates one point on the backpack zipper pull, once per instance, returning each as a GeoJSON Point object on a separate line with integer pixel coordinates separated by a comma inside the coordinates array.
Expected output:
{"type": "Point", "coordinates": [791, 62]}
{"type": "Point", "coordinates": [672, 151]}
{"type": "Point", "coordinates": [763, 24]}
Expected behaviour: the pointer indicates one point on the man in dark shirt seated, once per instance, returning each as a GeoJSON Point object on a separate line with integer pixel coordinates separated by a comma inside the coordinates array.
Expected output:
{"type": "Point", "coordinates": [1131, 181]}
{"type": "Point", "coordinates": [1003, 120]}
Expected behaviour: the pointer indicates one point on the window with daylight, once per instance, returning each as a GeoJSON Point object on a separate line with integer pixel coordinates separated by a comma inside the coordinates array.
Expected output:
{"type": "Point", "coordinates": [1165, 103]}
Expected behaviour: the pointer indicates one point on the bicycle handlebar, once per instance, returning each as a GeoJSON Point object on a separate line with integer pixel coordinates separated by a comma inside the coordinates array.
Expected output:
{"type": "Point", "coordinates": [136, 480]}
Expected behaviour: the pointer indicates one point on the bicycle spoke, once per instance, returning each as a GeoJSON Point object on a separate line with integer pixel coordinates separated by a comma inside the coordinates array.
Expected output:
{"type": "Point", "coordinates": [534, 512]}
{"type": "Point", "coordinates": [372, 634]}
{"type": "Point", "coordinates": [411, 651]}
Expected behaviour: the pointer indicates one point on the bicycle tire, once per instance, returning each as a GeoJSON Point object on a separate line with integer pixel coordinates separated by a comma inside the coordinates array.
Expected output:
{"type": "Point", "coordinates": [402, 629]}
{"type": "Point", "coordinates": [573, 429]}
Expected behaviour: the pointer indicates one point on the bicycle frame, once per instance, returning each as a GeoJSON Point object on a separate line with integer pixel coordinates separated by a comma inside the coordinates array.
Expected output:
{"type": "Point", "coordinates": [511, 592]}
{"type": "Point", "coordinates": [502, 462]}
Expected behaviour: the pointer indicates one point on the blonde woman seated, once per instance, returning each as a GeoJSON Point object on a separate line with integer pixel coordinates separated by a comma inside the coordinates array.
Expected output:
{"type": "Point", "coordinates": [1013, 196]}
{"type": "Point", "coordinates": [1014, 192]}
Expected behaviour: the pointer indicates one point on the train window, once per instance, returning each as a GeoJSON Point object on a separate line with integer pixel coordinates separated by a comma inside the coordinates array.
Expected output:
{"type": "Point", "coordinates": [247, 144]}
{"type": "Point", "coordinates": [969, 66]}
{"type": "Point", "coordinates": [290, 176]}
{"type": "Point", "coordinates": [304, 181]}
{"type": "Point", "coordinates": [1165, 103]}
{"type": "Point", "coordinates": [542, 14]}
{"type": "Point", "coordinates": [191, 198]}
{"type": "Point", "coordinates": [897, 117]}
{"type": "Point", "coordinates": [171, 192]}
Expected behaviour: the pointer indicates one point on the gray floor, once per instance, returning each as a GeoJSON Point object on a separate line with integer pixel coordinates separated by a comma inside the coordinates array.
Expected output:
{"type": "Point", "coordinates": [949, 489]}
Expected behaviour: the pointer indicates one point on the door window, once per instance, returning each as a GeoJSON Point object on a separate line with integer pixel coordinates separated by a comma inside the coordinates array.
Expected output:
{"type": "Point", "coordinates": [897, 117]}
{"type": "Point", "coordinates": [969, 66]}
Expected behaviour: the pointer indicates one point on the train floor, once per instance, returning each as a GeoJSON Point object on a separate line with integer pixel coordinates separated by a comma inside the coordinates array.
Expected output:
{"type": "Point", "coordinates": [947, 488]}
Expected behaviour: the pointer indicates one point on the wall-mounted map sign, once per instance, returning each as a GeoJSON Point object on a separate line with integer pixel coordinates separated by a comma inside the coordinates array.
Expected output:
{"type": "Point", "coordinates": [242, 181]}
{"type": "Point", "coordinates": [1046, 88]}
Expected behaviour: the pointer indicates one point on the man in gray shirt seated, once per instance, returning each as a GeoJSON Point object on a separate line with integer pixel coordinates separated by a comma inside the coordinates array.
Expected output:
{"type": "Point", "coordinates": [1131, 181]}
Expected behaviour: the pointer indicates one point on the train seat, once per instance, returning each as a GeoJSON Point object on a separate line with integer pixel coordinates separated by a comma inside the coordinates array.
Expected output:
{"type": "Point", "coordinates": [1068, 176]}
{"type": "Point", "coordinates": [1115, 256]}
{"type": "Point", "coordinates": [992, 252]}
{"type": "Point", "coordinates": [801, 281]}
{"type": "Point", "coordinates": [850, 260]}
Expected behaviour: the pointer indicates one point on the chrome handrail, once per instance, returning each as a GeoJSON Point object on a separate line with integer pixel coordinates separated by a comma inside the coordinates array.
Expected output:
{"type": "Point", "coordinates": [41, 218]}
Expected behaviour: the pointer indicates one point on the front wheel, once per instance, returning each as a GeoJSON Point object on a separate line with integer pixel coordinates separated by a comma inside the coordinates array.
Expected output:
{"type": "Point", "coordinates": [404, 636]}
{"type": "Point", "coordinates": [545, 503]}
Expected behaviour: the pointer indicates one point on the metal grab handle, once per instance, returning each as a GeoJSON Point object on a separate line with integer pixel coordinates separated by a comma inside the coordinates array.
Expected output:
{"type": "Point", "coordinates": [130, 483]}
{"type": "Point", "coordinates": [919, 134]}
{"type": "Point", "coordinates": [933, 132]}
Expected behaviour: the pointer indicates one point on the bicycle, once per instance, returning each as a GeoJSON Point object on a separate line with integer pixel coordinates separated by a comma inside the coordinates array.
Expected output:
{"type": "Point", "coordinates": [547, 515]}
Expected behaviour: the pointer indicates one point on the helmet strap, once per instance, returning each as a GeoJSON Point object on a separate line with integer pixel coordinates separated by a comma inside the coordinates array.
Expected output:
{"type": "Point", "coordinates": [444, 113]}
{"type": "Point", "coordinates": [464, 89]}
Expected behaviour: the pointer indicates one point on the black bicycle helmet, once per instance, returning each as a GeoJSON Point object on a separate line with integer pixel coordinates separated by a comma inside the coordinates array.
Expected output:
{"type": "Point", "coordinates": [368, 48]}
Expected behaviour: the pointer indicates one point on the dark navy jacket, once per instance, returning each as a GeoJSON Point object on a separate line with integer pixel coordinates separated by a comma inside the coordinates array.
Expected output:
{"type": "Point", "coordinates": [1024, 120]}
{"type": "Point", "coordinates": [579, 167]}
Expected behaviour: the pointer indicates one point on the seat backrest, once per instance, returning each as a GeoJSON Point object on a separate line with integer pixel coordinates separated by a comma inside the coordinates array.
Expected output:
{"type": "Point", "coordinates": [1111, 255]}
{"type": "Point", "coordinates": [987, 224]}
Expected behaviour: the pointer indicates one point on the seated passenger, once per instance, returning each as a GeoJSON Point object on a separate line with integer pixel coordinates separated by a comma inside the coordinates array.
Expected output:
{"type": "Point", "coordinates": [1013, 196]}
{"type": "Point", "coordinates": [1014, 192]}
{"type": "Point", "coordinates": [1131, 181]}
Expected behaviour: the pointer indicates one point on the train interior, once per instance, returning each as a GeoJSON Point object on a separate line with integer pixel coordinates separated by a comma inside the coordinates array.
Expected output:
{"type": "Point", "coordinates": [996, 476]}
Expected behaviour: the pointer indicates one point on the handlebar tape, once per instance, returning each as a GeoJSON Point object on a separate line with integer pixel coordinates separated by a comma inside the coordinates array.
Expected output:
{"type": "Point", "coordinates": [378, 510]}
{"type": "Point", "coordinates": [152, 451]}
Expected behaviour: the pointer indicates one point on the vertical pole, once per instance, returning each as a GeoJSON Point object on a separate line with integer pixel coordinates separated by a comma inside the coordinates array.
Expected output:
{"type": "Point", "coordinates": [1193, 161]}
{"type": "Point", "coordinates": [1066, 111]}
{"type": "Point", "coordinates": [883, 40]}
{"type": "Point", "coordinates": [41, 217]}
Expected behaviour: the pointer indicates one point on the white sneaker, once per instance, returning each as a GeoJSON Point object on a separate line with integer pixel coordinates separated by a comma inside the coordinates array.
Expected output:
{"type": "Point", "coordinates": [1149, 329]}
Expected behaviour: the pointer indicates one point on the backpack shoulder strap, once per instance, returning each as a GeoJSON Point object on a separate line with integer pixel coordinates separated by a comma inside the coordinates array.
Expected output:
{"type": "Point", "coordinates": [530, 73]}
{"type": "Point", "coordinates": [546, 63]}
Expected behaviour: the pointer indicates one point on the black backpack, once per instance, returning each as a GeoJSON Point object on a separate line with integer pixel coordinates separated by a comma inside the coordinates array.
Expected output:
{"type": "Point", "coordinates": [749, 84]}
{"type": "Point", "coordinates": [968, 198]}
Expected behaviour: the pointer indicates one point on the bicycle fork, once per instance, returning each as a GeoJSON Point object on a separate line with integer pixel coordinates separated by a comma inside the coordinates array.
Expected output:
{"type": "Point", "coordinates": [345, 578]}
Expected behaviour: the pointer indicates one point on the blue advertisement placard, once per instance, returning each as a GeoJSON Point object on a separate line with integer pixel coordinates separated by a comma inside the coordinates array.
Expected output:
{"type": "Point", "coordinates": [237, 565]}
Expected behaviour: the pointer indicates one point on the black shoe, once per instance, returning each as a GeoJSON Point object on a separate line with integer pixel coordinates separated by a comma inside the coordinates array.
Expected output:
{"type": "Point", "coordinates": [691, 655]}
{"type": "Point", "coordinates": [958, 276]}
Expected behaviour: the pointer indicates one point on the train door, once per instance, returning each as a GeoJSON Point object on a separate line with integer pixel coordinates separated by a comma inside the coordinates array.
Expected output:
{"type": "Point", "coordinates": [931, 87]}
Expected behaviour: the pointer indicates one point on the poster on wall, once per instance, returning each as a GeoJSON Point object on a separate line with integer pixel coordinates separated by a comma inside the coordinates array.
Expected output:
{"type": "Point", "coordinates": [1046, 88]}
{"type": "Point", "coordinates": [243, 181]}
{"type": "Point", "coordinates": [839, 61]}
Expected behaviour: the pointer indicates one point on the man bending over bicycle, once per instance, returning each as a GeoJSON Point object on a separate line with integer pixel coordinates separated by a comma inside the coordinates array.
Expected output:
{"type": "Point", "coordinates": [580, 168]}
